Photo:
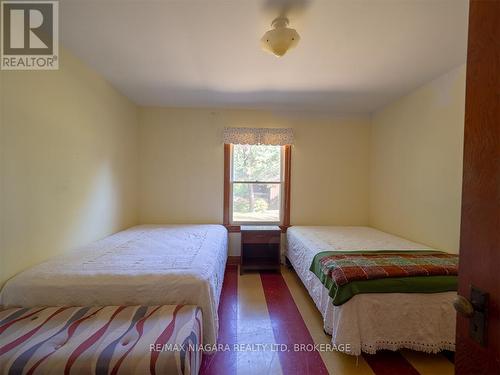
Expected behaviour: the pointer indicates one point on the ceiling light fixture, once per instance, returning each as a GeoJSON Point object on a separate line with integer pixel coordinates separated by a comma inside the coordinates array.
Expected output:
{"type": "Point", "coordinates": [281, 38]}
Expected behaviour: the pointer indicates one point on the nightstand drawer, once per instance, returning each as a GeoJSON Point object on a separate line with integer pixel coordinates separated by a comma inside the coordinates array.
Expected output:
{"type": "Point", "coordinates": [260, 237]}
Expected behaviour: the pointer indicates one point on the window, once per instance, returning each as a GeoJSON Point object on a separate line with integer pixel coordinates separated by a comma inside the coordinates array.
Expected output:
{"type": "Point", "coordinates": [256, 184]}
{"type": "Point", "coordinates": [257, 170]}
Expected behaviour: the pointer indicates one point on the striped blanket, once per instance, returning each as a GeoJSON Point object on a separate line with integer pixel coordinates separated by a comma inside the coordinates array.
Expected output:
{"type": "Point", "coordinates": [346, 274]}
{"type": "Point", "coordinates": [345, 268]}
{"type": "Point", "coordinates": [101, 340]}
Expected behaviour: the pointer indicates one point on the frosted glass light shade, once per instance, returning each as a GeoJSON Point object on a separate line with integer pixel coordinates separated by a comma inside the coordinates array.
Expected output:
{"type": "Point", "coordinates": [280, 39]}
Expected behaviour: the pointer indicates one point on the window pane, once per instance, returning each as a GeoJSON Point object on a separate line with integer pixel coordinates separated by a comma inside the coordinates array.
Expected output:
{"type": "Point", "coordinates": [256, 163]}
{"type": "Point", "coordinates": [256, 202]}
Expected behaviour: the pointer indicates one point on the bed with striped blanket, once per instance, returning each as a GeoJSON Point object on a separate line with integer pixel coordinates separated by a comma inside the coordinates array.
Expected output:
{"type": "Point", "coordinates": [150, 265]}
{"type": "Point", "coordinates": [372, 315]}
{"type": "Point", "coordinates": [101, 340]}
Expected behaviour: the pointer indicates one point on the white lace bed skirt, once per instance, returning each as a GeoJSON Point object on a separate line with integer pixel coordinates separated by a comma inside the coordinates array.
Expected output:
{"type": "Point", "coordinates": [375, 321]}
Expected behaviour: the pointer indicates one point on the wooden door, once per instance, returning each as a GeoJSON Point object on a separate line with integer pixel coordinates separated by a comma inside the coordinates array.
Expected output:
{"type": "Point", "coordinates": [480, 230]}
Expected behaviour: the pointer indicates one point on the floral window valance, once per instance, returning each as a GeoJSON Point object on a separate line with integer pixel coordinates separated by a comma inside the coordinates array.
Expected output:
{"type": "Point", "coordinates": [258, 136]}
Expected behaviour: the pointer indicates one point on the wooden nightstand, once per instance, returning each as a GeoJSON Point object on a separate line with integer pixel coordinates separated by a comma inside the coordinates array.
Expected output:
{"type": "Point", "coordinates": [260, 247]}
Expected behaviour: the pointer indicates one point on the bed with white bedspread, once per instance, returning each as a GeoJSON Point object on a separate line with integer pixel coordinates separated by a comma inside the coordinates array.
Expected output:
{"type": "Point", "coordinates": [144, 265]}
{"type": "Point", "coordinates": [374, 321]}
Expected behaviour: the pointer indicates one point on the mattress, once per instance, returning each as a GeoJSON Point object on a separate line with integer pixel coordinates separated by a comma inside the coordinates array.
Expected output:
{"type": "Point", "coordinates": [101, 340]}
{"type": "Point", "coordinates": [144, 265]}
{"type": "Point", "coordinates": [375, 321]}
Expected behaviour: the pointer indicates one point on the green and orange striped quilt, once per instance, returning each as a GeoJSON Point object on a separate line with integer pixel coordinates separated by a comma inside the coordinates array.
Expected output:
{"type": "Point", "coordinates": [346, 274]}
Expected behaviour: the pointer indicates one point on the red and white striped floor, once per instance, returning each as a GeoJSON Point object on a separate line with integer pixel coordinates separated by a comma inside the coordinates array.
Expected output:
{"type": "Point", "coordinates": [263, 315]}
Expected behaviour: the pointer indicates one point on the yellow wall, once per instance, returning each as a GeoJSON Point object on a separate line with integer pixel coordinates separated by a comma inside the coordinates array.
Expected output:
{"type": "Point", "coordinates": [68, 163]}
{"type": "Point", "coordinates": [416, 163]}
{"type": "Point", "coordinates": [181, 165]}
{"type": "Point", "coordinates": [78, 161]}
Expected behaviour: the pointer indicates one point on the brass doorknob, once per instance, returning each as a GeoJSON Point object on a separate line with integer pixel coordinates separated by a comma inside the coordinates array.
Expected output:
{"type": "Point", "coordinates": [463, 306]}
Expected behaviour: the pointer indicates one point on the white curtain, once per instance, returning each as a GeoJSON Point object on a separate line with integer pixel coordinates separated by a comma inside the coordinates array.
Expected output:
{"type": "Point", "coordinates": [258, 136]}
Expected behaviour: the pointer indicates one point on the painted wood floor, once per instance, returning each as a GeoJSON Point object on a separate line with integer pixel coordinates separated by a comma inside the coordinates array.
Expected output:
{"type": "Point", "coordinates": [262, 316]}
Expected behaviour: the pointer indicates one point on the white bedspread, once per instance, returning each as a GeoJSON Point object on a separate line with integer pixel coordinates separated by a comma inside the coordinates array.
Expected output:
{"type": "Point", "coordinates": [143, 265]}
{"type": "Point", "coordinates": [370, 322]}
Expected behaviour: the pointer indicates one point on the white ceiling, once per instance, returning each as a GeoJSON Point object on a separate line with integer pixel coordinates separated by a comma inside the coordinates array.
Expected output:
{"type": "Point", "coordinates": [354, 55]}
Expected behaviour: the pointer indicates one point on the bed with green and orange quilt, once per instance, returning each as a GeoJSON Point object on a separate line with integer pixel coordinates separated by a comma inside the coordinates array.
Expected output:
{"type": "Point", "coordinates": [376, 290]}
